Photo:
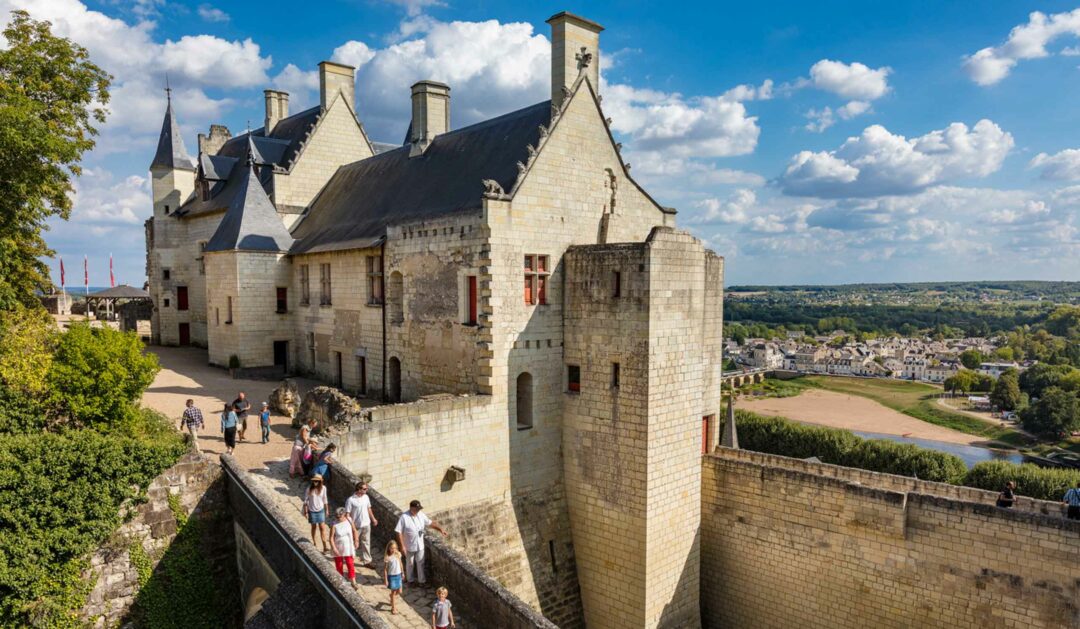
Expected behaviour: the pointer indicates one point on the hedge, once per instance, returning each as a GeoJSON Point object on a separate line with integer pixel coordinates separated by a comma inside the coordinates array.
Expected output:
{"type": "Point", "coordinates": [776, 435]}
{"type": "Point", "coordinates": [1031, 480]}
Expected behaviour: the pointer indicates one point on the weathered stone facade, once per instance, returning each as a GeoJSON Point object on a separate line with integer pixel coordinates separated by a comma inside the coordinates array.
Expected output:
{"type": "Point", "coordinates": [788, 543]}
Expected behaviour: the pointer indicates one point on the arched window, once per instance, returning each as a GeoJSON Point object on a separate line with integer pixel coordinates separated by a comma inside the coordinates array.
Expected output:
{"type": "Point", "coordinates": [395, 298]}
{"type": "Point", "coordinates": [393, 388]}
{"type": "Point", "coordinates": [524, 401]}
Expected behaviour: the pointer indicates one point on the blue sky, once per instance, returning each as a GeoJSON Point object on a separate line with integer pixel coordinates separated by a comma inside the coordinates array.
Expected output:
{"type": "Point", "coordinates": [820, 142]}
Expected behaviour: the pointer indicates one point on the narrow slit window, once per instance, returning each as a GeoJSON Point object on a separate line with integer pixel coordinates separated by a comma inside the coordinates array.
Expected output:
{"type": "Point", "coordinates": [282, 299]}
{"type": "Point", "coordinates": [616, 284]}
{"type": "Point", "coordinates": [573, 378]}
{"type": "Point", "coordinates": [473, 300]}
{"type": "Point", "coordinates": [614, 375]}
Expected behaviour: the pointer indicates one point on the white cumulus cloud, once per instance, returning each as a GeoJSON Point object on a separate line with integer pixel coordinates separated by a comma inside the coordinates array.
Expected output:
{"type": "Point", "coordinates": [853, 81]}
{"type": "Point", "coordinates": [1026, 41]}
{"type": "Point", "coordinates": [878, 162]}
{"type": "Point", "coordinates": [1062, 166]}
{"type": "Point", "coordinates": [211, 13]}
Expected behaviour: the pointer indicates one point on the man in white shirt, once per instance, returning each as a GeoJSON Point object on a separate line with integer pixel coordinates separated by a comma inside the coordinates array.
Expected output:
{"type": "Point", "coordinates": [410, 535]}
{"type": "Point", "coordinates": [359, 509]}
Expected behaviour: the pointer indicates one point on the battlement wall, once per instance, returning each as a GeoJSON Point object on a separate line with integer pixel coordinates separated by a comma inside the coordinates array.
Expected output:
{"type": "Point", "coordinates": [789, 543]}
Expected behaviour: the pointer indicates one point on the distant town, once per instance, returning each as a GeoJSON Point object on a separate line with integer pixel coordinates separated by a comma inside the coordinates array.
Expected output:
{"type": "Point", "coordinates": [840, 354]}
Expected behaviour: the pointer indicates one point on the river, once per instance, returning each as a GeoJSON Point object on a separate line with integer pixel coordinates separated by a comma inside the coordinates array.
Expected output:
{"type": "Point", "coordinates": [970, 454]}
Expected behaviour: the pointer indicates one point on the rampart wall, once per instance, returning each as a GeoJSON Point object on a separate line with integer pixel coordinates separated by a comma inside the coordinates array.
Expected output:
{"type": "Point", "coordinates": [787, 543]}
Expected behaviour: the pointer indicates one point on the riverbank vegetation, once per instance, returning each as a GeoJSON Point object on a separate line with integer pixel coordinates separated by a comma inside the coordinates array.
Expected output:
{"type": "Point", "coordinates": [778, 435]}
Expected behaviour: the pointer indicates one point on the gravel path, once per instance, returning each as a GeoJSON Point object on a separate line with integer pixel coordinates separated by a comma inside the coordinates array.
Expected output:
{"type": "Point", "coordinates": [184, 374]}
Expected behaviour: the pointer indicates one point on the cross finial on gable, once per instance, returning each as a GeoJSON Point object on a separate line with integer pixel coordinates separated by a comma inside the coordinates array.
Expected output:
{"type": "Point", "coordinates": [168, 90]}
{"type": "Point", "coordinates": [584, 58]}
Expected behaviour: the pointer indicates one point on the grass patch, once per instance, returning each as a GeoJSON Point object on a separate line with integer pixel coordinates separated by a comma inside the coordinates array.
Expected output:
{"type": "Point", "coordinates": [917, 400]}
{"type": "Point", "coordinates": [774, 388]}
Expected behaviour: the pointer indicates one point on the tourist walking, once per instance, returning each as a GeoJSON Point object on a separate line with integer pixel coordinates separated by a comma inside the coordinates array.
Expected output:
{"type": "Point", "coordinates": [392, 574]}
{"type": "Point", "coordinates": [363, 517]}
{"type": "Point", "coordinates": [1007, 496]}
{"type": "Point", "coordinates": [342, 541]}
{"type": "Point", "coordinates": [1072, 500]}
{"type": "Point", "coordinates": [410, 534]}
{"type": "Point", "coordinates": [323, 461]}
{"type": "Point", "coordinates": [228, 428]}
{"type": "Point", "coordinates": [442, 617]}
{"type": "Point", "coordinates": [192, 420]}
{"type": "Point", "coordinates": [242, 406]}
{"type": "Point", "coordinates": [296, 467]}
{"type": "Point", "coordinates": [315, 507]}
{"type": "Point", "coordinates": [264, 422]}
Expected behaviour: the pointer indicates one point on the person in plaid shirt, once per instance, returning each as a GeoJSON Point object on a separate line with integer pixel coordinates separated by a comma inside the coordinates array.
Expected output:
{"type": "Point", "coordinates": [192, 421]}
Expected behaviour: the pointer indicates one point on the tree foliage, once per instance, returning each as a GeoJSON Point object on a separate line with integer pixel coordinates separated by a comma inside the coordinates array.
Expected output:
{"type": "Point", "coordinates": [27, 340]}
{"type": "Point", "coordinates": [971, 358]}
{"type": "Point", "coordinates": [51, 98]}
{"type": "Point", "coordinates": [1031, 480]}
{"type": "Point", "coordinates": [1054, 415]}
{"type": "Point", "coordinates": [98, 376]}
{"type": "Point", "coordinates": [1006, 391]}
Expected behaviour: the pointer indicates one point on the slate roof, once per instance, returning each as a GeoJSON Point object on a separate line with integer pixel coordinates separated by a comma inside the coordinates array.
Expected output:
{"type": "Point", "coordinates": [122, 291]}
{"type": "Point", "coordinates": [250, 223]}
{"type": "Point", "coordinates": [282, 146]}
{"type": "Point", "coordinates": [171, 152]}
{"type": "Point", "coordinates": [364, 197]}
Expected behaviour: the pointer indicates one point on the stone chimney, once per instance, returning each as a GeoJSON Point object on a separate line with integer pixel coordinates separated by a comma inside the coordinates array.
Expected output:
{"type": "Point", "coordinates": [334, 78]}
{"type": "Point", "coordinates": [211, 144]}
{"type": "Point", "coordinates": [430, 114]}
{"type": "Point", "coordinates": [575, 45]}
{"type": "Point", "coordinates": [277, 108]}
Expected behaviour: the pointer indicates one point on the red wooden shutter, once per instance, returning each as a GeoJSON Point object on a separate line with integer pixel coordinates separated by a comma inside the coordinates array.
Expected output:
{"type": "Point", "coordinates": [181, 298]}
{"type": "Point", "coordinates": [472, 299]}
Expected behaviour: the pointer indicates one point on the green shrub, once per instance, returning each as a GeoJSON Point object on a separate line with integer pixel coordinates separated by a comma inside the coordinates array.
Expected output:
{"type": "Point", "coordinates": [98, 375]}
{"type": "Point", "coordinates": [1031, 480]}
{"type": "Point", "coordinates": [777, 435]}
{"type": "Point", "coordinates": [60, 495]}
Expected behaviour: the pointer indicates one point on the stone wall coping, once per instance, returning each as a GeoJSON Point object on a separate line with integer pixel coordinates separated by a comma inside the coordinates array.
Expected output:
{"type": "Point", "coordinates": [438, 549]}
{"type": "Point", "coordinates": [818, 473]}
{"type": "Point", "coordinates": [316, 561]}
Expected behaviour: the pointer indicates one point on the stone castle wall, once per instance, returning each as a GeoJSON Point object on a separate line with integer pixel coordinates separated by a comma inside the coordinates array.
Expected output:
{"type": "Point", "coordinates": [196, 481]}
{"type": "Point", "coordinates": [813, 547]}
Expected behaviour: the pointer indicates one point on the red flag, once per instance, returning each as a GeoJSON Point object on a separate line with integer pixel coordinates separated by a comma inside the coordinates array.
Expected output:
{"type": "Point", "coordinates": [112, 279]}
{"type": "Point", "coordinates": [86, 273]}
{"type": "Point", "coordinates": [62, 283]}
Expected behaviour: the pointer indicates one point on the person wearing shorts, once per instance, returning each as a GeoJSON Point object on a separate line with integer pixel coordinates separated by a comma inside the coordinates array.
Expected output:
{"type": "Point", "coordinates": [315, 508]}
{"type": "Point", "coordinates": [392, 570]}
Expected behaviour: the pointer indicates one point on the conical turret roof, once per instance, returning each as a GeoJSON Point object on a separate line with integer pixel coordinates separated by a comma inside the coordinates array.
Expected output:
{"type": "Point", "coordinates": [251, 222]}
{"type": "Point", "coordinates": [171, 152]}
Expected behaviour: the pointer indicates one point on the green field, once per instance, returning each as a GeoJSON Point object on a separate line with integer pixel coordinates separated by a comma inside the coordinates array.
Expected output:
{"type": "Point", "coordinates": [910, 398]}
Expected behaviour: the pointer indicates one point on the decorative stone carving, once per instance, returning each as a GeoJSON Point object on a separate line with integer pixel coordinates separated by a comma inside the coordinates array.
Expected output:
{"type": "Point", "coordinates": [492, 189]}
{"type": "Point", "coordinates": [543, 132]}
{"type": "Point", "coordinates": [521, 169]}
{"type": "Point", "coordinates": [285, 399]}
{"type": "Point", "coordinates": [584, 58]}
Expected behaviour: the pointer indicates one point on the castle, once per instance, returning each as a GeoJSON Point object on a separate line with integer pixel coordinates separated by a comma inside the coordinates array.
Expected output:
{"type": "Point", "coordinates": [514, 264]}
{"type": "Point", "coordinates": [537, 351]}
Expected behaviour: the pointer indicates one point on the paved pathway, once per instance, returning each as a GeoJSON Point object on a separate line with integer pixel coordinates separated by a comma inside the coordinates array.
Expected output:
{"type": "Point", "coordinates": [413, 611]}
{"type": "Point", "coordinates": [185, 374]}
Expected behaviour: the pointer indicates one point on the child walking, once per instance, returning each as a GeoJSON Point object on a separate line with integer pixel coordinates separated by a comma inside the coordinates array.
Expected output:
{"type": "Point", "coordinates": [264, 422]}
{"type": "Point", "coordinates": [392, 574]}
{"type": "Point", "coordinates": [342, 541]}
{"type": "Point", "coordinates": [441, 615]}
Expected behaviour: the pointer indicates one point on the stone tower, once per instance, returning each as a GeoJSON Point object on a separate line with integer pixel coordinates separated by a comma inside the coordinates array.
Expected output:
{"type": "Point", "coordinates": [172, 171]}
